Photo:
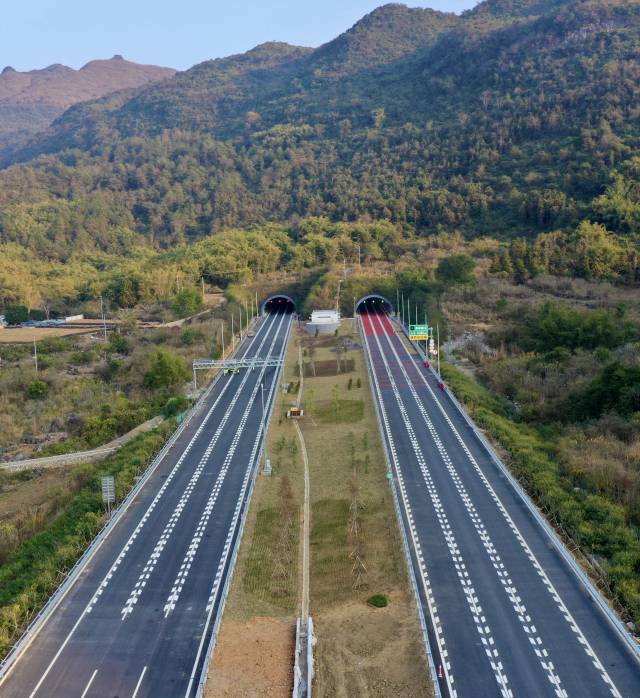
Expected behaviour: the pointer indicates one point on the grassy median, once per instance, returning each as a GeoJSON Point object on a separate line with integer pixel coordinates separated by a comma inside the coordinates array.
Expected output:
{"type": "Point", "coordinates": [356, 550]}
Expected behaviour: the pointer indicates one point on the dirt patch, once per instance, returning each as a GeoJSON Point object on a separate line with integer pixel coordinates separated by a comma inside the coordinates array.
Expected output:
{"type": "Point", "coordinates": [252, 659]}
{"type": "Point", "coordinates": [20, 494]}
{"type": "Point", "coordinates": [370, 645]}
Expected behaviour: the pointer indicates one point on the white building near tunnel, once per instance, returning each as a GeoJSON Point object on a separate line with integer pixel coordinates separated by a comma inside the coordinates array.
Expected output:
{"type": "Point", "coordinates": [323, 322]}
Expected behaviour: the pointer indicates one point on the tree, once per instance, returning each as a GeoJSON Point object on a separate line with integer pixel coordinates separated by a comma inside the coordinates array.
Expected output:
{"type": "Point", "coordinates": [456, 269]}
{"type": "Point", "coordinates": [15, 314]}
{"type": "Point", "coordinates": [187, 302]}
{"type": "Point", "coordinates": [167, 370]}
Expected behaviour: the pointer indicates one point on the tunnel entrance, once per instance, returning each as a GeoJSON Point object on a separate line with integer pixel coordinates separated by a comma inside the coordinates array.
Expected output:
{"type": "Point", "coordinates": [374, 302]}
{"type": "Point", "coordinates": [278, 303]}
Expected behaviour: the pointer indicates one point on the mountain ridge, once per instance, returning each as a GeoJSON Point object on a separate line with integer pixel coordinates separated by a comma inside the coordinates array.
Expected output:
{"type": "Point", "coordinates": [483, 125]}
{"type": "Point", "coordinates": [31, 100]}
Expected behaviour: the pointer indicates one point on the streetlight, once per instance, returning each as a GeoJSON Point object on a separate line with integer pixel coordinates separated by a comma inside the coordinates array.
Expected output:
{"type": "Point", "coordinates": [233, 336]}
{"type": "Point", "coordinates": [264, 424]}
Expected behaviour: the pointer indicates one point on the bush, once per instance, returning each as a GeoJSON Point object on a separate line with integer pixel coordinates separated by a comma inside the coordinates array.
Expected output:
{"type": "Point", "coordinates": [457, 269]}
{"type": "Point", "coordinates": [378, 601]}
{"type": "Point", "coordinates": [174, 406]}
{"type": "Point", "coordinates": [118, 344]}
{"type": "Point", "coordinates": [191, 336]}
{"type": "Point", "coordinates": [167, 370]}
{"type": "Point", "coordinates": [15, 314]}
{"type": "Point", "coordinates": [37, 390]}
{"type": "Point", "coordinates": [187, 302]}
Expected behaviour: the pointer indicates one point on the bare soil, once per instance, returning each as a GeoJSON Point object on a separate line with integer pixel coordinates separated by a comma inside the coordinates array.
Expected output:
{"type": "Point", "coordinates": [370, 646]}
{"type": "Point", "coordinates": [253, 659]}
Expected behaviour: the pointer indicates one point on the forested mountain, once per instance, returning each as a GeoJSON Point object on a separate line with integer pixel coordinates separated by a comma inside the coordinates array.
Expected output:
{"type": "Point", "coordinates": [517, 118]}
{"type": "Point", "coordinates": [30, 101]}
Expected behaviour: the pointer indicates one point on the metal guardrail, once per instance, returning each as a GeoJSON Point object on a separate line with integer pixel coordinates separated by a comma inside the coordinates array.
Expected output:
{"type": "Point", "coordinates": [43, 615]}
{"type": "Point", "coordinates": [553, 537]}
{"type": "Point", "coordinates": [405, 540]}
{"type": "Point", "coordinates": [202, 680]}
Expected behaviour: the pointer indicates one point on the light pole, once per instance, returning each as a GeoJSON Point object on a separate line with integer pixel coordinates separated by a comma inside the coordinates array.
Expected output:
{"type": "Point", "coordinates": [438, 335]}
{"type": "Point", "coordinates": [233, 335]}
{"type": "Point", "coordinates": [222, 328]}
{"type": "Point", "coordinates": [104, 322]}
{"type": "Point", "coordinates": [264, 425]}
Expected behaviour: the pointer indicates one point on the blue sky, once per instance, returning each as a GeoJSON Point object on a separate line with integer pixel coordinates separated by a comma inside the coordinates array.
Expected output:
{"type": "Point", "coordinates": [177, 33]}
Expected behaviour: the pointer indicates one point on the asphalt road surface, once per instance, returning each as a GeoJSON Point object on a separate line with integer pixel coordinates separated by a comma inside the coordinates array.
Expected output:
{"type": "Point", "coordinates": [138, 620]}
{"type": "Point", "coordinates": [507, 616]}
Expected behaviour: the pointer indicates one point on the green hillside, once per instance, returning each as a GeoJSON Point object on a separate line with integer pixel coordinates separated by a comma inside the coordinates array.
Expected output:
{"type": "Point", "coordinates": [514, 119]}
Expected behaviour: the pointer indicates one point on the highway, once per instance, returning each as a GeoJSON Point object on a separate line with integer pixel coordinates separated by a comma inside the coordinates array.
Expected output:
{"type": "Point", "coordinates": [506, 615]}
{"type": "Point", "coordinates": [140, 617]}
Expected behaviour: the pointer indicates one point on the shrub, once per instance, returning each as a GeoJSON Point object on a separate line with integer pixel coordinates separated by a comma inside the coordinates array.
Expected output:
{"type": "Point", "coordinates": [37, 390]}
{"type": "Point", "coordinates": [187, 302]}
{"type": "Point", "coordinates": [377, 601]}
{"type": "Point", "coordinates": [457, 269]}
{"type": "Point", "coordinates": [15, 314]}
{"type": "Point", "coordinates": [167, 370]}
{"type": "Point", "coordinates": [118, 344]}
{"type": "Point", "coordinates": [175, 405]}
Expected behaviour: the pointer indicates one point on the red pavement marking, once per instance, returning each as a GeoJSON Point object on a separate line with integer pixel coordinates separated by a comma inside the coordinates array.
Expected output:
{"type": "Point", "coordinates": [366, 322]}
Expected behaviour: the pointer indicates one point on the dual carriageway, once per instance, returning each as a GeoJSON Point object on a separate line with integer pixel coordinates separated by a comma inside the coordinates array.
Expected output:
{"type": "Point", "coordinates": [505, 612]}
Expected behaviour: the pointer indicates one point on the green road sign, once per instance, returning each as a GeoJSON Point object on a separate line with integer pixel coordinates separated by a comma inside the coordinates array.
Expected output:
{"type": "Point", "coordinates": [418, 329]}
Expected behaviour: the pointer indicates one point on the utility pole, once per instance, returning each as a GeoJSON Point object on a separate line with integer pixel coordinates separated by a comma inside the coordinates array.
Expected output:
{"type": "Point", "coordinates": [264, 425]}
{"type": "Point", "coordinates": [222, 326]}
{"type": "Point", "coordinates": [397, 301]}
{"type": "Point", "coordinates": [202, 279]}
{"type": "Point", "coordinates": [35, 353]}
{"type": "Point", "coordinates": [256, 304]}
{"type": "Point", "coordinates": [438, 335]}
{"type": "Point", "coordinates": [104, 322]}
{"type": "Point", "coordinates": [408, 312]}
{"type": "Point", "coordinates": [426, 341]}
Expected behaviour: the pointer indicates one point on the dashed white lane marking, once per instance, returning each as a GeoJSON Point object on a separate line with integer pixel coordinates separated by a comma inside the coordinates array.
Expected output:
{"type": "Point", "coordinates": [535, 641]}
{"type": "Point", "coordinates": [137, 688]}
{"type": "Point", "coordinates": [232, 529]}
{"type": "Point", "coordinates": [198, 535]}
{"type": "Point", "coordinates": [86, 690]}
{"type": "Point", "coordinates": [264, 329]}
{"type": "Point", "coordinates": [482, 627]}
{"type": "Point", "coordinates": [520, 538]}
{"type": "Point", "coordinates": [422, 571]}
{"type": "Point", "coordinates": [170, 526]}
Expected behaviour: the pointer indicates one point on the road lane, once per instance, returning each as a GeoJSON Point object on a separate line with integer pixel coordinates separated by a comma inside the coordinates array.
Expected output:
{"type": "Point", "coordinates": [150, 548]}
{"type": "Point", "coordinates": [528, 618]}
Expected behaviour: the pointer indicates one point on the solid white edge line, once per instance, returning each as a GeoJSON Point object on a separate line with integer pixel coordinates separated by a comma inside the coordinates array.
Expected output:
{"type": "Point", "coordinates": [105, 532]}
{"type": "Point", "coordinates": [377, 398]}
{"type": "Point", "coordinates": [223, 596]}
{"type": "Point", "coordinates": [579, 574]}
